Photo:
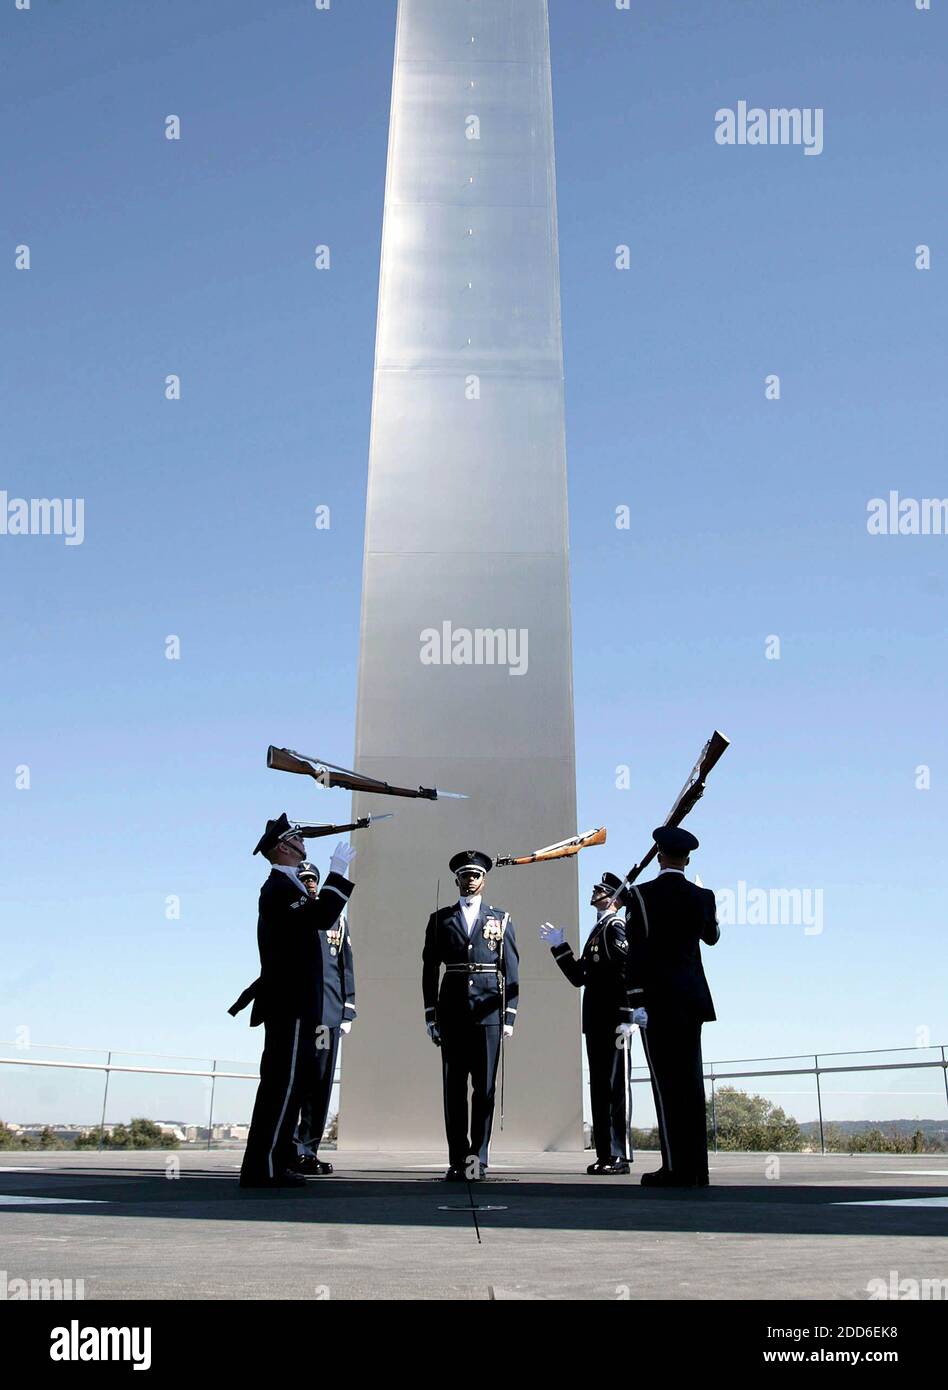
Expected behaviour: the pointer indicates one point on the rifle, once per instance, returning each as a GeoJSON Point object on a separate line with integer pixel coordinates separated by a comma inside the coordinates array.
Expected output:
{"type": "Point", "coordinates": [687, 798]}
{"type": "Point", "coordinates": [329, 775]}
{"type": "Point", "coordinates": [563, 849]}
{"type": "Point", "coordinates": [315, 832]}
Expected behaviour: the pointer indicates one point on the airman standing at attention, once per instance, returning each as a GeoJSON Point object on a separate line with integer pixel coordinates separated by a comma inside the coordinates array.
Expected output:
{"type": "Point", "coordinates": [474, 1010]}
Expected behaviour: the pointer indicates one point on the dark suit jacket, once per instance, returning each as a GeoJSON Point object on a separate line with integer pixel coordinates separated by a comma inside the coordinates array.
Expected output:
{"type": "Point", "coordinates": [291, 983]}
{"type": "Point", "coordinates": [666, 920]}
{"type": "Point", "coordinates": [338, 1001]}
{"type": "Point", "coordinates": [464, 997]}
{"type": "Point", "coordinates": [603, 968]}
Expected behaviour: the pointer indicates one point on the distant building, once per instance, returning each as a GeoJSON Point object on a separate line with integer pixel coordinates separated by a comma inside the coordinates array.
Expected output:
{"type": "Point", "coordinates": [67, 1133]}
{"type": "Point", "coordinates": [174, 1128]}
{"type": "Point", "coordinates": [219, 1134]}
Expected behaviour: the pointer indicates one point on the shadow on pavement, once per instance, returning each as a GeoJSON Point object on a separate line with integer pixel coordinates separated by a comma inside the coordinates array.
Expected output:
{"type": "Point", "coordinates": [561, 1204]}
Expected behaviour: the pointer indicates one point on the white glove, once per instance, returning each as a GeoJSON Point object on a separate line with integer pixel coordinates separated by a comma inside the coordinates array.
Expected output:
{"type": "Point", "coordinates": [625, 1030]}
{"type": "Point", "coordinates": [508, 1030]}
{"type": "Point", "coordinates": [553, 936]}
{"type": "Point", "coordinates": [434, 1033]}
{"type": "Point", "coordinates": [640, 1018]}
{"type": "Point", "coordinates": [342, 857]}
{"type": "Point", "coordinates": [345, 1027]}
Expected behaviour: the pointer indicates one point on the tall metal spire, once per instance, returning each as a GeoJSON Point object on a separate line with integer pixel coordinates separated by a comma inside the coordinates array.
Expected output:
{"type": "Point", "coordinates": [465, 676]}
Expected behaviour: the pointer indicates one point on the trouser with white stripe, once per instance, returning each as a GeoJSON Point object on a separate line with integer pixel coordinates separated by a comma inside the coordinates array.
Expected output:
{"type": "Point", "coordinates": [609, 1093]}
{"type": "Point", "coordinates": [286, 1071]}
{"type": "Point", "coordinates": [314, 1103]}
{"type": "Point", "coordinates": [673, 1051]}
{"type": "Point", "coordinates": [469, 1057]}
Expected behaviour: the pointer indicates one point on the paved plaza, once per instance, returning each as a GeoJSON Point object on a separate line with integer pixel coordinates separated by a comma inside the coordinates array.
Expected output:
{"type": "Point", "coordinates": [176, 1226]}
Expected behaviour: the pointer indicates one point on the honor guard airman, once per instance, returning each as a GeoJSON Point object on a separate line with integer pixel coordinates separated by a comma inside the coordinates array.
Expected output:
{"type": "Point", "coordinates": [474, 1010]}
{"type": "Point", "coordinates": [667, 920]}
{"type": "Point", "coordinates": [607, 1022]}
{"type": "Point", "coordinates": [335, 1018]}
{"type": "Point", "coordinates": [288, 996]}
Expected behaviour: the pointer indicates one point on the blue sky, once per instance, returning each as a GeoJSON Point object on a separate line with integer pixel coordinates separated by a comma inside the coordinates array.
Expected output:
{"type": "Point", "coordinates": [748, 516]}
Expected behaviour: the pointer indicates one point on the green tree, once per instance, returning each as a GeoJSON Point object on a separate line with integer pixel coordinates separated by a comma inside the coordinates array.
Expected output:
{"type": "Point", "coordinates": [139, 1133]}
{"type": "Point", "coordinates": [48, 1140]}
{"type": "Point", "coordinates": [645, 1138]}
{"type": "Point", "coordinates": [878, 1141]}
{"type": "Point", "coordinates": [145, 1134]}
{"type": "Point", "coordinates": [89, 1139]}
{"type": "Point", "coordinates": [11, 1140]}
{"type": "Point", "coordinates": [752, 1123]}
{"type": "Point", "coordinates": [119, 1138]}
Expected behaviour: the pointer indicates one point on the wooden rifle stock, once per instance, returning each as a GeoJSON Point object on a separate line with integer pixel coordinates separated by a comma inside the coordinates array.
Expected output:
{"type": "Point", "coordinates": [284, 761]}
{"type": "Point", "coordinates": [690, 794]}
{"type": "Point", "coordinates": [563, 849]}
{"type": "Point", "coordinates": [328, 775]}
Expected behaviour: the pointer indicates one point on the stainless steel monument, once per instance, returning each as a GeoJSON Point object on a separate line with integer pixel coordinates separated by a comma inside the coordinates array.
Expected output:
{"type": "Point", "coordinates": [465, 677]}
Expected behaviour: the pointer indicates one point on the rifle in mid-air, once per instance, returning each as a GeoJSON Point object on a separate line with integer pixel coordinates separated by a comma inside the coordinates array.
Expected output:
{"type": "Point", "coordinates": [316, 832]}
{"type": "Point", "coordinates": [329, 775]}
{"type": "Point", "coordinates": [563, 849]}
{"type": "Point", "coordinates": [687, 798]}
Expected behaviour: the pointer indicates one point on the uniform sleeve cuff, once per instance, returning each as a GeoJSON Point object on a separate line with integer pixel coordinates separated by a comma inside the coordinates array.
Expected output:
{"type": "Point", "coordinates": [335, 883]}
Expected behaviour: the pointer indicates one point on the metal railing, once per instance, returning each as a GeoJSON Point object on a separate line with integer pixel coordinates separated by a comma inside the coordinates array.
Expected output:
{"type": "Point", "coordinates": [108, 1067]}
{"type": "Point", "coordinates": [713, 1076]}
{"type": "Point", "coordinates": [822, 1066]}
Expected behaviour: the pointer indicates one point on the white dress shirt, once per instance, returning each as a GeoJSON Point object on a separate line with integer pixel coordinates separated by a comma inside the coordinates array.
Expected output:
{"type": "Point", "coordinates": [470, 907]}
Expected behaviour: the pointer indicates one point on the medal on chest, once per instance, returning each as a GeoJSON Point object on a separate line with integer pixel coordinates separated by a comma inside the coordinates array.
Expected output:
{"type": "Point", "coordinates": [493, 932]}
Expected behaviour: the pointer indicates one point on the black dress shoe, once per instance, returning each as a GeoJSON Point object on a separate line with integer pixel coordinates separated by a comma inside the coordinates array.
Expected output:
{"type": "Point", "coordinates": [287, 1179]}
{"type": "Point", "coordinates": [595, 1167]}
{"type": "Point", "coordinates": [455, 1175]}
{"type": "Point", "coordinates": [612, 1167]}
{"type": "Point", "coordinates": [663, 1178]}
{"type": "Point", "coordinates": [312, 1167]}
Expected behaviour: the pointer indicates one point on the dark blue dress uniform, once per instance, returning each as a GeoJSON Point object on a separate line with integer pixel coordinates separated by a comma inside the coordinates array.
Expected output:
{"type": "Point", "coordinates": [479, 994]}
{"type": "Point", "coordinates": [338, 1007]}
{"type": "Point", "coordinates": [603, 969]}
{"type": "Point", "coordinates": [666, 921]}
{"type": "Point", "coordinates": [287, 1000]}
